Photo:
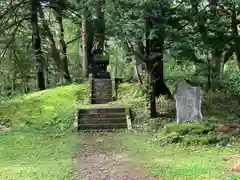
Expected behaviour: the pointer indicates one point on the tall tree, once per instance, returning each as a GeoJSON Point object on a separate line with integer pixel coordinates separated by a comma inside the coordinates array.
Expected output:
{"type": "Point", "coordinates": [35, 5]}
{"type": "Point", "coordinates": [64, 59]}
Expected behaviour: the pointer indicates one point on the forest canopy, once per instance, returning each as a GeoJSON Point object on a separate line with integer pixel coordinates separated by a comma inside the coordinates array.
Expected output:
{"type": "Point", "coordinates": [45, 43]}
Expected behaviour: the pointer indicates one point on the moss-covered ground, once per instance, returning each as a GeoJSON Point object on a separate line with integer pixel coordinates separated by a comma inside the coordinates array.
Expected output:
{"type": "Point", "coordinates": [41, 143]}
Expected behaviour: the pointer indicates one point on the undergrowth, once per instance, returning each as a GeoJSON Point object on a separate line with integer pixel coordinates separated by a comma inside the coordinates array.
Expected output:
{"type": "Point", "coordinates": [192, 134]}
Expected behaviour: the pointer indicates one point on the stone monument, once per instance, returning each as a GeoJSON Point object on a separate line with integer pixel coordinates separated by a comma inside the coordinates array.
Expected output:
{"type": "Point", "coordinates": [188, 102]}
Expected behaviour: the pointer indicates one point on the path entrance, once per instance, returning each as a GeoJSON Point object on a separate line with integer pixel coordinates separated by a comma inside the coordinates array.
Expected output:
{"type": "Point", "coordinates": [102, 158]}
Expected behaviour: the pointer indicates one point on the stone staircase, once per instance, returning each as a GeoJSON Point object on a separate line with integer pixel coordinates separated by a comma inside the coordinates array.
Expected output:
{"type": "Point", "coordinates": [100, 115]}
{"type": "Point", "coordinates": [101, 92]}
{"type": "Point", "coordinates": [102, 118]}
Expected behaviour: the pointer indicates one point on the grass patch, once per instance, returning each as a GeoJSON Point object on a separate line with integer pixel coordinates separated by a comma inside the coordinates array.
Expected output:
{"type": "Point", "coordinates": [51, 109]}
{"type": "Point", "coordinates": [39, 146]}
{"type": "Point", "coordinates": [36, 156]}
{"type": "Point", "coordinates": [177, 162]}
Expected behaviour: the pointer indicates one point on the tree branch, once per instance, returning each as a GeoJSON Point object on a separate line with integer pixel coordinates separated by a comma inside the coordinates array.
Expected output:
{"type": "Point", "coordinates": [9, 42]}
{"type": "Point", "coordinates": [73, 40]}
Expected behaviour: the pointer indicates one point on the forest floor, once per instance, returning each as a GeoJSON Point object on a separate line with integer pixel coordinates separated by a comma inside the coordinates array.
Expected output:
{"type": "Point", "coordinates": [102, 157]}
{"type": "Point", "coordinates": [127, 155]}
{"type": "Point", "coordinates": [40, 145]}
{"type": "Point", "coordinates": [110, 156]}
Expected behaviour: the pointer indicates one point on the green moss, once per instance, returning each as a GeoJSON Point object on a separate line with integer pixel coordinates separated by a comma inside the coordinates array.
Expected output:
{"type": "Point", "coordinates": [193, 128]}
{"type": "Point", "coordinates": [177, 162]}
{"type": "Point", "coordinates": [45, 110]}
{"type": "Point", "coordinates": [191, 134]}
{"type": "Point", "coordinates": [36, 156]}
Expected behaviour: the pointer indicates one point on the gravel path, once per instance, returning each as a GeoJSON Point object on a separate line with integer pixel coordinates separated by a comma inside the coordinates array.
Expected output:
{"type": "Point", "coordinates": [102, 158]}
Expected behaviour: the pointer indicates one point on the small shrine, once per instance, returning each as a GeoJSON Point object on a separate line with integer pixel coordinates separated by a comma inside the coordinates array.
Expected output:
{"type": "Point", "coordinates": [100, 66]}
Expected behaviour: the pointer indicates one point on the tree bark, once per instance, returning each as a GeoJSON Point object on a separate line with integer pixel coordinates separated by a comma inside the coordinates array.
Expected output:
{"type": "Point", "coordinates": [157, 51]}
{"type": "Point", "coordinates": [84, 44]}
{"type": "Point", "coordinates": [151, 78]}
{"type": "Point", "coordinates": [235, 34]}
{"type": "Point", "coordinates": [14, 70]}
{"type": "Point", "coordinates": [137, 73]}
{"type": "Point", "coordinates": [61, 65]}
{"type": "Point", "coordinates": [63, 44]}
{"type": "Point", "coordinates": [100, 27]}
{"type": "Point", "coordinates": [139, 48]}
{"type": "Point", "coordinates": [36, 44]}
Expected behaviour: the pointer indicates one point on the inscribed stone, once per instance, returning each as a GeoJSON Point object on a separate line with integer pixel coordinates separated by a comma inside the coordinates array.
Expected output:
{"type": "Point", "coordinates": [188, 102]}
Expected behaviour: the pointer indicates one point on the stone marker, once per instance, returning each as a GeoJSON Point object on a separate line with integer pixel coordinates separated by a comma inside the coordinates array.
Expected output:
{"type": "Point", "coordinates": [188, 102]}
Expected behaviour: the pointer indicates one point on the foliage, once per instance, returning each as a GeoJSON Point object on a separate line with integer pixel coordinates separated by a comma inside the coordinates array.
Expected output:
{"type": "Point", "coordinates": [232, 82]}
{"type": "Point", "coordinates": [119, 67]}
{"type": "Point", "coordinates": [132, 95]}
{"type": "Point", "coordinates": [191, 134]}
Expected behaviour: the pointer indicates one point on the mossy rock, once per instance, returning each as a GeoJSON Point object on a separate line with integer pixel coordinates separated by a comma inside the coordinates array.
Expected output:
{"type": "Point", "coordinates": [190, 139]}
{"type": "Point", "coordinates": [191, 134]}
{"type": "Point", "coordinates": [193, 128]}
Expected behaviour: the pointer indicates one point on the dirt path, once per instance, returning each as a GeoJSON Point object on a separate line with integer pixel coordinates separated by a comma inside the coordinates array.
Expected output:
{"type": "Point", "coordinates": [102, 158]}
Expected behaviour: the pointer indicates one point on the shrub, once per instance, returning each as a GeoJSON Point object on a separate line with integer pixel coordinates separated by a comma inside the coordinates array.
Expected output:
{"type": "Point", "coordinates": [191, 134]}
{"type": "Point", "coordinates": [232, 82]}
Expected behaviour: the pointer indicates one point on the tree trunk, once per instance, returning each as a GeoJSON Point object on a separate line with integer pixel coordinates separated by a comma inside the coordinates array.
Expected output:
{"type": "Point", "coordinates": [14, 70]}
{"type": "Point", "coordinates": [63, 44]}
{"type": "Point", "coordinates": [139, 48]}
{"type": "Point", "coordinates": [137, 73]}
{"type": "Point", "coordinates": [87, 42]}
{"type": "Point", "coordinates": [35, 4]}
{"type": "Point", "coordinates": [217, 59]}
{"type": "Point", "coordinates": [84, 44]}
{"type": "Point", "coordinates": [151, 78]}
{"type": "Point", "coordinates": [160, 86]}
{"type": "Point", "coordinates": [156, 56]}
{"type": "Point", "coordinates": [235, 34]}
{"type": "Point", "coordinates": [209, 66]}
{"type": "Point", "coordinates": [47, 74]}
{"type": "Point", "coordinates": [63, 68]}
{"type": "Point", "coordinates": [99, 27]}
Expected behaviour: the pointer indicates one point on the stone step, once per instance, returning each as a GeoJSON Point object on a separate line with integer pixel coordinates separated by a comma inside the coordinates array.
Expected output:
{"type": "Point", "coordinates": [106, 110]}
{"type": "Point", "coordinates": [96, 93]}
{"type": "Point", "coordinates": [102, 95]}
{"type": "Point", "coordinates": [94, 84]}
{"type": "Point", "coordinates": [105, 75]}
{"type": "Point", "coordinates": [100, 100]}
{"type": "Point", "coordinates": [95, 80]}
{"type": "Point", "coordinates": [102, 89]}
{"type": "Point", "coordinates": [101, 82]}
{"type": "Point", "coordinates": [102, 115]}
{"type": "Point", "coordinates": [102, 126]}
{"type": "Point", "coordinates": [88, 120]}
